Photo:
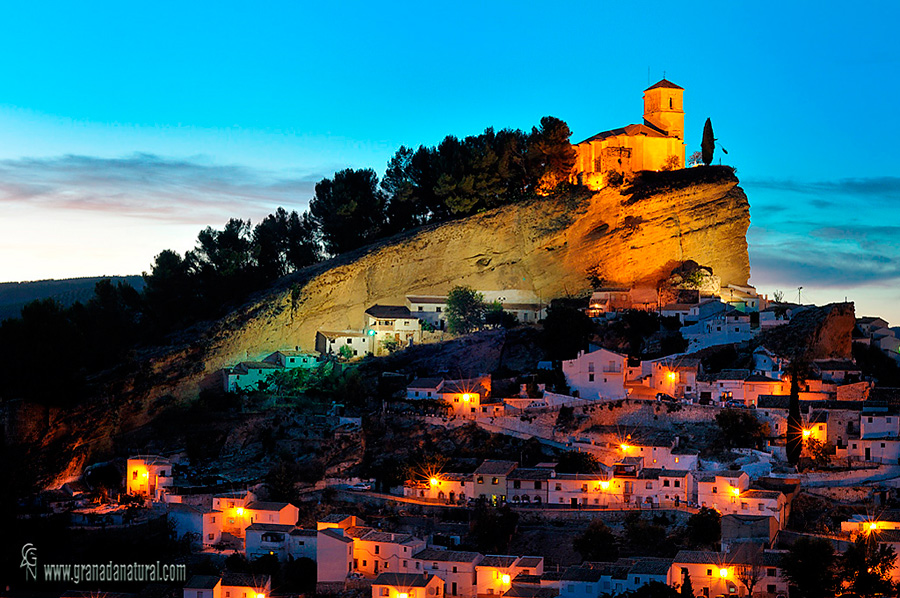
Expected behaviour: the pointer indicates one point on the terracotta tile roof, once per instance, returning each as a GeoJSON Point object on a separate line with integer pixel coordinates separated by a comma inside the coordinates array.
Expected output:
{"type": "Point", "coordinates": [665, 84]}
{"type": "Point", "coordinates": [629, 130]}
{"type": "Point", "coordinates": [497, 560]}
{"type": "Point", "coordinates": [492, 467]}
{"type": "Point", "coordinates": [403, 580]}
{"type": "Point", "coordinates": [390, 311]}
{"type": "Point", "coordinates": [445, 556]}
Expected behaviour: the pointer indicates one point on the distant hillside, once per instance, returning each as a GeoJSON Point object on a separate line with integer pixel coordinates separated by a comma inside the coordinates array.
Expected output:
{"type": "Point", "coordinates": [14, 295]}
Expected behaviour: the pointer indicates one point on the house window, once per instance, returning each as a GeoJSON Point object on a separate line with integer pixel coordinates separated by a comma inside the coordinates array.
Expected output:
{"type": "Point", "coordinates": [558, 488]}
{"type": "Point", "coordinates": [421, 308]}
{"type": "Point", "coordinates": [678, 483]}
{"type": "Point", "coordinates": [870, 420]}
{"type": "Point", "coordinates": [590, 367]}
{"type": "Point", "coordinates": [377, 547]}
{"type": "Point", "coordinates": [649, 486]}
{"type": "Point", "coordinates": [537, 485]}
{"type": "Point", "coordinates": [665, 483]}
{"type": "Point", "coordinates": [418, 565]}
{"type": "Point", "coordinates": [709, 572]}
{"type": "Point", "coordinates": [385, 592]}
{"type": "Point", "coordinates": [590, 377]}
{"type": "Point", "coordinates": [770, 572]}
{"type": "Point", "coordinates": [349, 341]}
{"type": "Point", "coordinates": [517, 484]}
{"type": "Point", "coordinates": [744, 506]}
{"type": "Point", "coordinates": [495, 481]}
{"type": "Point", "coordinates": [454, 568]}
{"type": "Point", "coordinates": [715, 490]}
{"type": "Point", "coordinates": [209, 536]}
{"type": "Point", "coordinates": [479, 480]}
{"type": "Point", "coordinates": [134, 475]}
{"type": "Point", "coordinates": [770, 588]}
{"type": "Point", "coordinates": [438, 310]}
{"type": "Point", "coordinates": [676, 458]}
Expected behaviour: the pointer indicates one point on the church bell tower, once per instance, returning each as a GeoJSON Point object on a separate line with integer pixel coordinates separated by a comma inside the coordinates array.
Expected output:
{"type": "Point", "coordinates": [663, 108]}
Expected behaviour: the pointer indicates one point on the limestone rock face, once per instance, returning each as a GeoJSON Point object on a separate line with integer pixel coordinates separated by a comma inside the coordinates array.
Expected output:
{"type": "Point", "coordinates": [545, 246]}
{"type": "Point", "coordinates": [816, 333]}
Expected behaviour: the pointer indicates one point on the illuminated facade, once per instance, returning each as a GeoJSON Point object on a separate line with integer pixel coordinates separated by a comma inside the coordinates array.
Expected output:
{"type": "Point", "coordinates": [630, 149]}
{"type": "Point", "coordinates": [148, 475]}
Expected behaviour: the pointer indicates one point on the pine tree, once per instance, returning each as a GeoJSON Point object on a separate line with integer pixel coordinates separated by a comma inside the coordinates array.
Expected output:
{"type": "Point", "coordinates": [708, 144]}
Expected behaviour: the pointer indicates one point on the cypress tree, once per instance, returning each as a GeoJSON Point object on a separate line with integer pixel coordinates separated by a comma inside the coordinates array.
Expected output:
{"type": "Point", "coordinates": [794, 425]}
{"type": "Point", "coordinates": [708, 144]}
{"type": "Point", "coordinates": [687, 589]}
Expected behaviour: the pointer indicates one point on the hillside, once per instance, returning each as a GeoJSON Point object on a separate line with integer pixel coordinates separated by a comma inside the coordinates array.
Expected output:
{"type": "Point", "coordinates": [546, 246]}
{"type": "Point", "coordinates": [14, 295]}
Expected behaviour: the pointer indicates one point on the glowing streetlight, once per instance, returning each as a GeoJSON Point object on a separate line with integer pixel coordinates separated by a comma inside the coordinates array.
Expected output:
{"type": "Point", "coordinates": [873, 526]}
{"type": "Point", "coordinates": [505, 578]}
{"type": "Point", "coordinates": [434, 481]}
{"type": "Point", "coordinates": [466, 397]}
{"type": "Point", "coordinates": [604, 485]}
{"type": "Point", "coordinates": [260, 596]}
{"type": "Point", "coordinates": [723, 573]}
{"type": "Point", "coordinates": [807, 433]}
{"type": "Point", "coordinates": [624, 447]}
{"type": "Point", "coordinates": [239, 511]}
{"type": "Point", "coordinates": [672, 376]}
{"type": "Point", "coordinates": [402, 595]}
{"type": "Point", "coordinates": [736, 491]}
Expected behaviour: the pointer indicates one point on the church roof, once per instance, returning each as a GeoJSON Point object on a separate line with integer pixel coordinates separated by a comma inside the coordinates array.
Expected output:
{"type": "Point", "coordinates": [630, 130]}
{"type": "Point", "coordinates": [664, 83]}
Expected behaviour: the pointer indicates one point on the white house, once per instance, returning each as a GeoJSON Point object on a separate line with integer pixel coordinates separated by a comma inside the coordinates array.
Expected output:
{"type": "Point", "coordinates": [202, 525]}
{"type": "Point", "coordinates": [720, 490]}
{"type": "Point", "coordinates": [358, 342]}
{"type": "Point", "coordinates": [599, 374]}
{"type": "Point", "coordinates": [424, 388]}
{"type": "Point", "coordinates": [285, 542]}
{"type": "Point", "coordinates": [407, 585]}
{"type": "Point", "coordinates": [203, 586]}
{"type": "Point", "coordinates": [148, 475]}
{"type": "Point", "coordinates": [394, 324]}
{"type": "Point", "coordinates": [429, 308]}
{"type": "Point", "coordinates": [447, 487]}
{"type": "Point", "coordinates": [290, 359]}
{"type": "Point", "coordinates": [455, 567]}
{"type": "Point", "coordinates": [722, 328]}
{"type": "Point", "coordinates": [525, 305]}
{"type": "Point", "coordinates": [248, 375]}
{"type": "Point", "coordinates": [334, 555]}
{"type": "Point", "coordinates": [494, 574]}
{"type": "Point", "coordinates": [376, 552]}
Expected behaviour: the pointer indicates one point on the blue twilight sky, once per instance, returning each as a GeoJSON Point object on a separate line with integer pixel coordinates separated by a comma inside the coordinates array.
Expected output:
{"type": "Point", "coordinates": [126, 127]}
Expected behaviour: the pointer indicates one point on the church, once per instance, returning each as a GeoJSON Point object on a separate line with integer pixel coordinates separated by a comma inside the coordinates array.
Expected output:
{"type": "Point", "coordinates": [656, 144]}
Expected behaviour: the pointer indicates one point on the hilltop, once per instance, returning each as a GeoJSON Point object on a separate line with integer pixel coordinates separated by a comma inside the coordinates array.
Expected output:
{"type": "Point", "coordinates": [15, 295]}
{"type": "Point", "coordinates": [547, 246]}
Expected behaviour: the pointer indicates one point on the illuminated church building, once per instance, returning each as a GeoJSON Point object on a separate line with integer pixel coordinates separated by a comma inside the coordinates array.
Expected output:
{"type": "Point", "coordinates": [648, 146]}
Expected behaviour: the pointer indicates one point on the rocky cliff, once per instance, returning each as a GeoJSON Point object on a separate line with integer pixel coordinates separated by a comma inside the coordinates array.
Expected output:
{"type": "Point", "coordinates": [545, 246]}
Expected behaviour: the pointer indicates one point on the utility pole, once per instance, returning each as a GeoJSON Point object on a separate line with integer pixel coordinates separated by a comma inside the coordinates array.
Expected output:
{"type": "Point", "coordinates": [798, 295]}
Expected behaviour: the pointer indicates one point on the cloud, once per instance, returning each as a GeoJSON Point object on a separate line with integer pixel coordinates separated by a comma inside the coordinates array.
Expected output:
{"type": "Point", "coordinates": [147, 186]}
{"type": "Point", "coordinates": [794, 262]}
{"type": "Point", "coordinates": [884, 186]}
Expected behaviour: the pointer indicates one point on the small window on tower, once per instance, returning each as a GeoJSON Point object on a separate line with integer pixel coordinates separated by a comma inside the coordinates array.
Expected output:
{"type": "Point", "coordinates": [670, 102]}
